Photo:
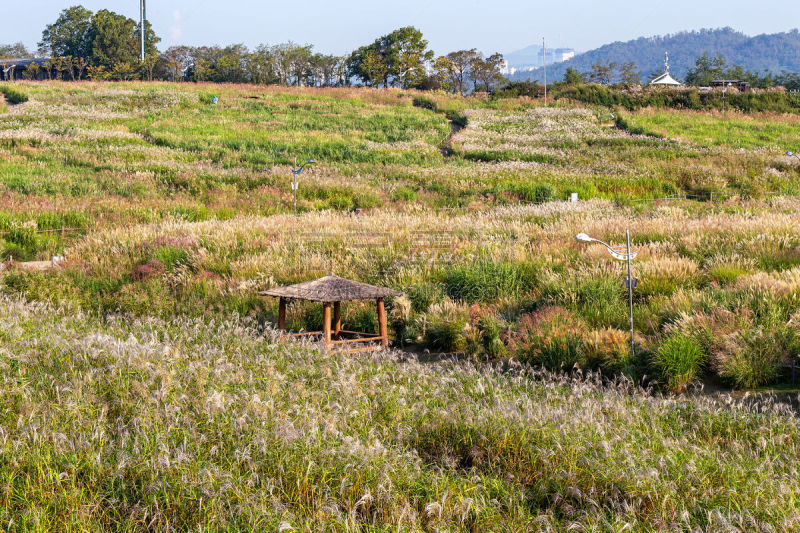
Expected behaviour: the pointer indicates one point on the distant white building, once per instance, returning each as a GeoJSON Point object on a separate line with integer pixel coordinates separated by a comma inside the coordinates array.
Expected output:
{"type": "Point", "coordinates": [666, 79]}
{"type": "Point", "coordinates": [555, 55]}
{"type": "Point", "coordinates": [564, 54]}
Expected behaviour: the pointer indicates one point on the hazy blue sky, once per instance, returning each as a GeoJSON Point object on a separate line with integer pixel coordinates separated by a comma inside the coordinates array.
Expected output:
{"type": "Point", "coordinates": [490, 25]}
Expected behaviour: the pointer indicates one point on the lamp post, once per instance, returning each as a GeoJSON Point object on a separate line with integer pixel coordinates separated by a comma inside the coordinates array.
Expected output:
{"type": "Point", "coordinates": [295, 183]}
{"type": "Point", "coordinates": [620, 255]}
{"type": "Point", "coordinates": [724, 90]}
{"type": "Point", "coordinates": [792, 154]}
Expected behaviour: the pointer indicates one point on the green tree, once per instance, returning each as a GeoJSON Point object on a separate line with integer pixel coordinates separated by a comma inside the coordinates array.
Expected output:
{"type": "Point", "coordinates": [408, 55]}
{"type": "Point", "coordinates": [259, 64]}
{"type": "Point", "coordinates": [486, 73]}
{"type": "Point", "coordinates": [443, 72]}
{"type": "Point", "coordinates": [706, 69]}
{"type": "Point", "coordinates": [115, 39]}
{"type": "Point", "coordinates": [290, 63]}
{"type": "Point", "coordinates": [629, 75]}
{"type": "Point", "coordinates": [397, 59]}
{"type": "Point", "coordinates": [69, 35]}
{"type": "Point", "coordinates": [602, 72]}
{"type": "Point", "coordinates": [13, 51]}
{"type": "Point", "coordinates": [461, 62]}
{"type": "Point", "coordinates": [31, 72]}
{"type": "Point", "coordinates": [369, 64]}
{"type": "Point", "coordinates": [573, 77]}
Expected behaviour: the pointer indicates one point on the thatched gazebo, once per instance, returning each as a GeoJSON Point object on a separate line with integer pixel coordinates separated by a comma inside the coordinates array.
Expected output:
{"type": "Point", "coordinates": [334, 290]}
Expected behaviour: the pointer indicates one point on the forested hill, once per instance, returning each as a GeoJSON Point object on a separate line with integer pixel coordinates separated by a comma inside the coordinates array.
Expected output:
{"type": "Point", "coordinates": [774, 52]}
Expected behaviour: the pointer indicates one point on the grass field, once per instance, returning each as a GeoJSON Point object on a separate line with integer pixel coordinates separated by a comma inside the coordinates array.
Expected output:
{"type": "Point", "coordinates": [144, 424]}
{"type": "Point", "coordinates": [137, 153]}
{"type": "Point", "coordinates": [144, 389]}
{"type": "Point", "coordinates": [777, 133]}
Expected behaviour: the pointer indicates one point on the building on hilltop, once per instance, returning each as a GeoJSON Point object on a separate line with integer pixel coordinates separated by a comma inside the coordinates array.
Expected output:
{"type": "Point", "coordinates": [666, 79]}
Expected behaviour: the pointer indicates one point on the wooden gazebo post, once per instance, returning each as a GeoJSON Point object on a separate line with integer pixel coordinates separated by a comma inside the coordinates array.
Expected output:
{"type": "Point", "coordinates": [282, 313]}
{"type": "Point", "coordinates": [383, 330]}
{"type": "Point", "coordinates": [326, 324]}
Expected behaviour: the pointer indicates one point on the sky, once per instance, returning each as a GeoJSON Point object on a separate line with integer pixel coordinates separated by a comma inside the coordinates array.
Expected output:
{"type": "Point", "coordinates": [337, 27]}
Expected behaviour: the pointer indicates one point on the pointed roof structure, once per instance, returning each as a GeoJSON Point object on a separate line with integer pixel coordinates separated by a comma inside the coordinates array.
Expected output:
{"type": "Point", "coordinates": [666, 79]}
{"type": "Point", "coordinates": [331, 288]}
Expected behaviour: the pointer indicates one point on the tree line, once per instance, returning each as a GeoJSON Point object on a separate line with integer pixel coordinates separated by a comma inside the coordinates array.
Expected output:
{"type": "Point", "coordinates": [81, 44]}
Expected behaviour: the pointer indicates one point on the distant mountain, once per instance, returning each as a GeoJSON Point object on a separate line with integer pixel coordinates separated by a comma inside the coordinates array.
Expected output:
{"type": "Point", "coordinates": [774, 52]}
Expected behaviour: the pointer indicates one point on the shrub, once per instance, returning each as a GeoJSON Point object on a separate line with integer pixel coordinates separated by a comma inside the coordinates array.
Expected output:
{"type": "Point", "coordinates": [443, 326]}
{"type": "Point", "coordinates": [487, 334]}
{"type": "Point", "coordinates": [423, 295]}
{"type": "Point", "coordinates": [677, 362]}
{"type": "Point", "coordinates": [724, 274]}
{"type": "Point", "coordinates": [153, 268]}
{"type": "Point", "coordinates": [553, 337]}
{"type": "Point", "coordinates": [537, 193]}
{"type": "Point", "coordinates": [751, 357]}
{"type": "Point", "coordinates": [515, 89]}
{"type": "Point", "coordinates": [171, 256]}
{"type": "Point", "coordinates": [610, 349]}
{"type": "Point", "coordinates": [13, 95]}
{"type": "Point", "coordinates": [492, 329]}
{"type": "Point", "coordinates": [709, 329]}
{"type": "Point", "coordinates": [23, 236]}
{"type": "Point", "coordinates": [13, 252]}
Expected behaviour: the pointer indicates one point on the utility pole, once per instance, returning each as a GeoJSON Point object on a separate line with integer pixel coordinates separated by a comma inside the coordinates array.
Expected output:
{"type": "Point", "coordinates": [544, 65]}
{"type": "Point", "coordinates": [142, 18]}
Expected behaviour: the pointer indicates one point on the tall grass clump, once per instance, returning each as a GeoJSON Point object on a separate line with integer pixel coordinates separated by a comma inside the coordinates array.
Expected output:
{"type": "Point", "coordinates": [677, 362]}
{"type": "Point", "coordinates": [750, 358]}
{"type": "Point", "coordinates": [487, 280]}
{"type": "Point", "coordinates": [13, 95]}
{"type": "Point", "coordinates": [609, 349]}
{"type": "Point", "coordinates": [444, 327]}
{"type": "Point", "coordinates": [552, 337]}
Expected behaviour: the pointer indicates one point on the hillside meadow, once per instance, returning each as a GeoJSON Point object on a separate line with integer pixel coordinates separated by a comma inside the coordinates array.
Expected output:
{"type": "Point", "coordinates": [144, 387]}
{"type": "Point", "coordinates": [123, 153]}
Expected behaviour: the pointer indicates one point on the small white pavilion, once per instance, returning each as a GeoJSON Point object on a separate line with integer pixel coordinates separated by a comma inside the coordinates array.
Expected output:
{"type": "Point", "coordinates": [666, 79]}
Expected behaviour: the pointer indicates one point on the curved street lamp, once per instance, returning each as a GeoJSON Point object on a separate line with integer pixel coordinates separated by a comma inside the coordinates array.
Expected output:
{"type": "Point", "coordinates": [295, 182]}
{"type": "Point", "coordinates": [622, 255]}
{"type": "Point", "coordinates": [792, 154]}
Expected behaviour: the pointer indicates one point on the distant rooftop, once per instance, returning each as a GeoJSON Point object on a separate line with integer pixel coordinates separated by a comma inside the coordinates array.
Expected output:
{"type": "Point", "coordinates": [23, 61]}
{"type": "Point", "coordinates": [331, 288]}
{"type": "Point", "coordinates": [666, 79]}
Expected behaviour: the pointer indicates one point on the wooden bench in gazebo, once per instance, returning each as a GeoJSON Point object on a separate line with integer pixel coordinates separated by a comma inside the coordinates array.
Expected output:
{"type": "Point", "coordinates": [331, 291]}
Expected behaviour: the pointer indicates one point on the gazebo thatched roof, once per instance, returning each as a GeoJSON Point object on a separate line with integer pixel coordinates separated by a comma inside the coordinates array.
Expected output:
{"type": "Point", "coordinates": [331, 288]}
